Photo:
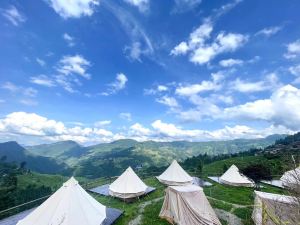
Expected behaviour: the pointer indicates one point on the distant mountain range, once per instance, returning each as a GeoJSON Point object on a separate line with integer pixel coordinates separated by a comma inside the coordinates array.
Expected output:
{"type": "Point", "coordinates": [108, 159]}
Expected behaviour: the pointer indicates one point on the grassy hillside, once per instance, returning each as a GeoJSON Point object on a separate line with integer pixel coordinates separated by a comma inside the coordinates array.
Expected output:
{"type": "Point", "coordinates": [109, 159]}
{"type": "Point", "coordinates": [13, 152]}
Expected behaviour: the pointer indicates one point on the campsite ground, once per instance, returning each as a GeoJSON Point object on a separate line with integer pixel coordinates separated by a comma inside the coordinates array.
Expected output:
{"type": "Point", "coordinates": [229, 200]}
{"type": "Point", "coordinates": [236, 201]}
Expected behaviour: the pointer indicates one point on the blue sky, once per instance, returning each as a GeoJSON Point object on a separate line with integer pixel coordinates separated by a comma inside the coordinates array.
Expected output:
{"type": "Point", "coordinates": [97, 70]}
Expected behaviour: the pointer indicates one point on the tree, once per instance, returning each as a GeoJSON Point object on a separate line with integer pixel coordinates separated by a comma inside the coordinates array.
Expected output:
{"type": "Point", "coordinates": [200, 167]}
{"type": "Point", "coordinates": [225, 168]}
{"type": "Point", "coordinates": [257, 172]}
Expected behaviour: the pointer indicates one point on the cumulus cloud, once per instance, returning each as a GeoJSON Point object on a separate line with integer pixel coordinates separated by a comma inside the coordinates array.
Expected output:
{"type": "Point", "coordinates": [33, 125]}
{"type": "Point", "coordinates": [74, 8]}
{"type": "Point", "coordinates": [230, 62]}
{"type": "Point", "coordinates": [168, 101]}
{"type": "Point", "coordinates": [75, 64]}
{"type": "Point", "coordinates": [142, 5]}
{"type": "Point", "coordinates": [293, 50]}
{"type": "Point", "coordinates": [282, 108]}
{"type": "Point", "coordinates": [269, 31]}
{"type": "Point", "coordinates": [13, 15]}
{"type": "Point", "coordinates": [158, 89]}
{"type": "Point", "coordinates": [202, 48]}
{"type": "Point", "coordinates": [206, 85]}
{"type": "Point", "coordinates": [69, 39]}
{"type": "Point", "coordinates": [42, 80]}
{"type": "Point", "coordinates": [24, 126]}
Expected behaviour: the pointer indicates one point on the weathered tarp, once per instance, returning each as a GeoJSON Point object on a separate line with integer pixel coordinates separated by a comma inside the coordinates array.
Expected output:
{"type": "Point", "coordinates": [187, 205]}
{"type": "Point", "coordinates": [275, 209]}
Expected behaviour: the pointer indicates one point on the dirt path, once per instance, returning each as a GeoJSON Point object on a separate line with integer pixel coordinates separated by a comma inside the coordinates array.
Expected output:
{"type": "Point", "coordinates": [137, 220]}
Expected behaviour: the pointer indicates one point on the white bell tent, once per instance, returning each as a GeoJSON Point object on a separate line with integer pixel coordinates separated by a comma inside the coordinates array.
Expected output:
{"type": "Point", "coordinates": [69, 205]}
{"type": "Point", "coordinates": [175, 175]}
{"type": "Point", "coordinates": [186, 205]}
{"type": "Point", "coordinates": [233, 177]}
{"type": "Point", "coordinates": [128, 185]}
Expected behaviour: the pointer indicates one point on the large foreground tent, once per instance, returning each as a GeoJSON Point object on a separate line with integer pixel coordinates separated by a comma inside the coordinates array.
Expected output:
{"type": "Point", "coordinates": [291, 178]}
{"type": "Point", "coordinates": [175, 175]}
{"type": "Point", "coordinates": [187, 205]}
{"type": "Point", "coordinates": [69, 205]}
{"type": "Point", "coordinates": [128, 185]}
{"type": "Point", "coordinates": [273, 209]}
{"type": "Point", "coordinates": [233, 177]}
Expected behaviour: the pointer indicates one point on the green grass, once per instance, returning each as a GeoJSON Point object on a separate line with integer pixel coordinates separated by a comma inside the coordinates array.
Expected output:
{"type": "Point", "coordinates": [244, 214]}
{"type": "Point", "coordinates": [150, 215]}
{"type": "Point", "coordinates": [220, 205]}
{"type": "Point", "coordinates": [131, 209]}
{"type": "Point", "coordinates": [52, 181]}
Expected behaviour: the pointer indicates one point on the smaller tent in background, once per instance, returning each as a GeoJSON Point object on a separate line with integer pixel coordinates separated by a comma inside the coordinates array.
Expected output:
{"type": "Point", "coordinates": [187, 205]}
{"type": "Point", "coordinates": [70, 204]}
{"type": "Point", "coordinates": [273, 209]}
{"type": "Point", "coordinates": [291, 179]}
{"type": "Point", "coordinates": [233, 177]}
{"type": "Point", "coordinates": [175, 175]}
{"type": "Point", "coordinates": [128, 185]}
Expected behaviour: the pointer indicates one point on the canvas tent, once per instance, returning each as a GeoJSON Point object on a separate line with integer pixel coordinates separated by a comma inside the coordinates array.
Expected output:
{"type": "Point", "coordinates": [187, 205]}
{"type": "Point", "coordinates": [273, 209]}
{"type": "Point", "coordinates": [233, 177]}
{"type": "Point", "coordinates": [175, 175]}
{"type": "Point", "coordinates": [69, 205]}
{"type": "Point", "coordinates": [128, 185]}
{"type": "Point", "coordinates": [291, 178]}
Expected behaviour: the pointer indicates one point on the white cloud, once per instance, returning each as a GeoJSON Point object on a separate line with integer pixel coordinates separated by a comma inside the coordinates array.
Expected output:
{"type": "Point", "coordinates": [201, 51]}
{"type": "Point", "coordinates": [181, 49]}
{"type": "Point", "coordinates": [26, 127]}
{"type": "Point", "coordinates": [182, 6]}
{"type": "Point", "coordinates": [205, 85]}
{"type": "Point", "coordinates": [125, 116]}
{"type": "Point", "coordinates": [13, 15]}
{"type": "Point", "coordinates": [75, 64]}
{"type": "Point", "coordinates": [140, 43]}
{"type": "Point", "coordinates": [31, 125]}
{"type": "Point", "coordinates": [142, 5]}
{"type": "Point", "coordinates": [269, 31]}
{"type": "Point", "coordinates": [270, 82]}
{"type": "Point", "coordinates": [295, 70]}
{"type": "Point", "coordinates": [14, 89]}
{"type": "Point", "coordinates": [69, 39]}
{"type": "Point", "coordinates": [246, 87]}
{"type": "Point", "coordinates": [138, 130]}
{"type": "Point", "coordinates": [282, 108]}
{"type": "Point", "coordinates": [117, 85]}
{"type": "Point", "coordinates": [74, 8]}
{"type": "Point", "coordinates": [42, 80]}
{"type": "Point", "coordinates": [230, 62]}
{"type": "Point", "coordinates": [40, 62]}
{"type": "Point", "coordinates": [162, 88]}
{"type": "Point", "coordinates": [102, 123]}
{"type": "Point", "coordinates": [28, 102]}
{"type": "Point", "coordinates": [293, 50]}
{"type": "Point", "coordinates": [168, 101]}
